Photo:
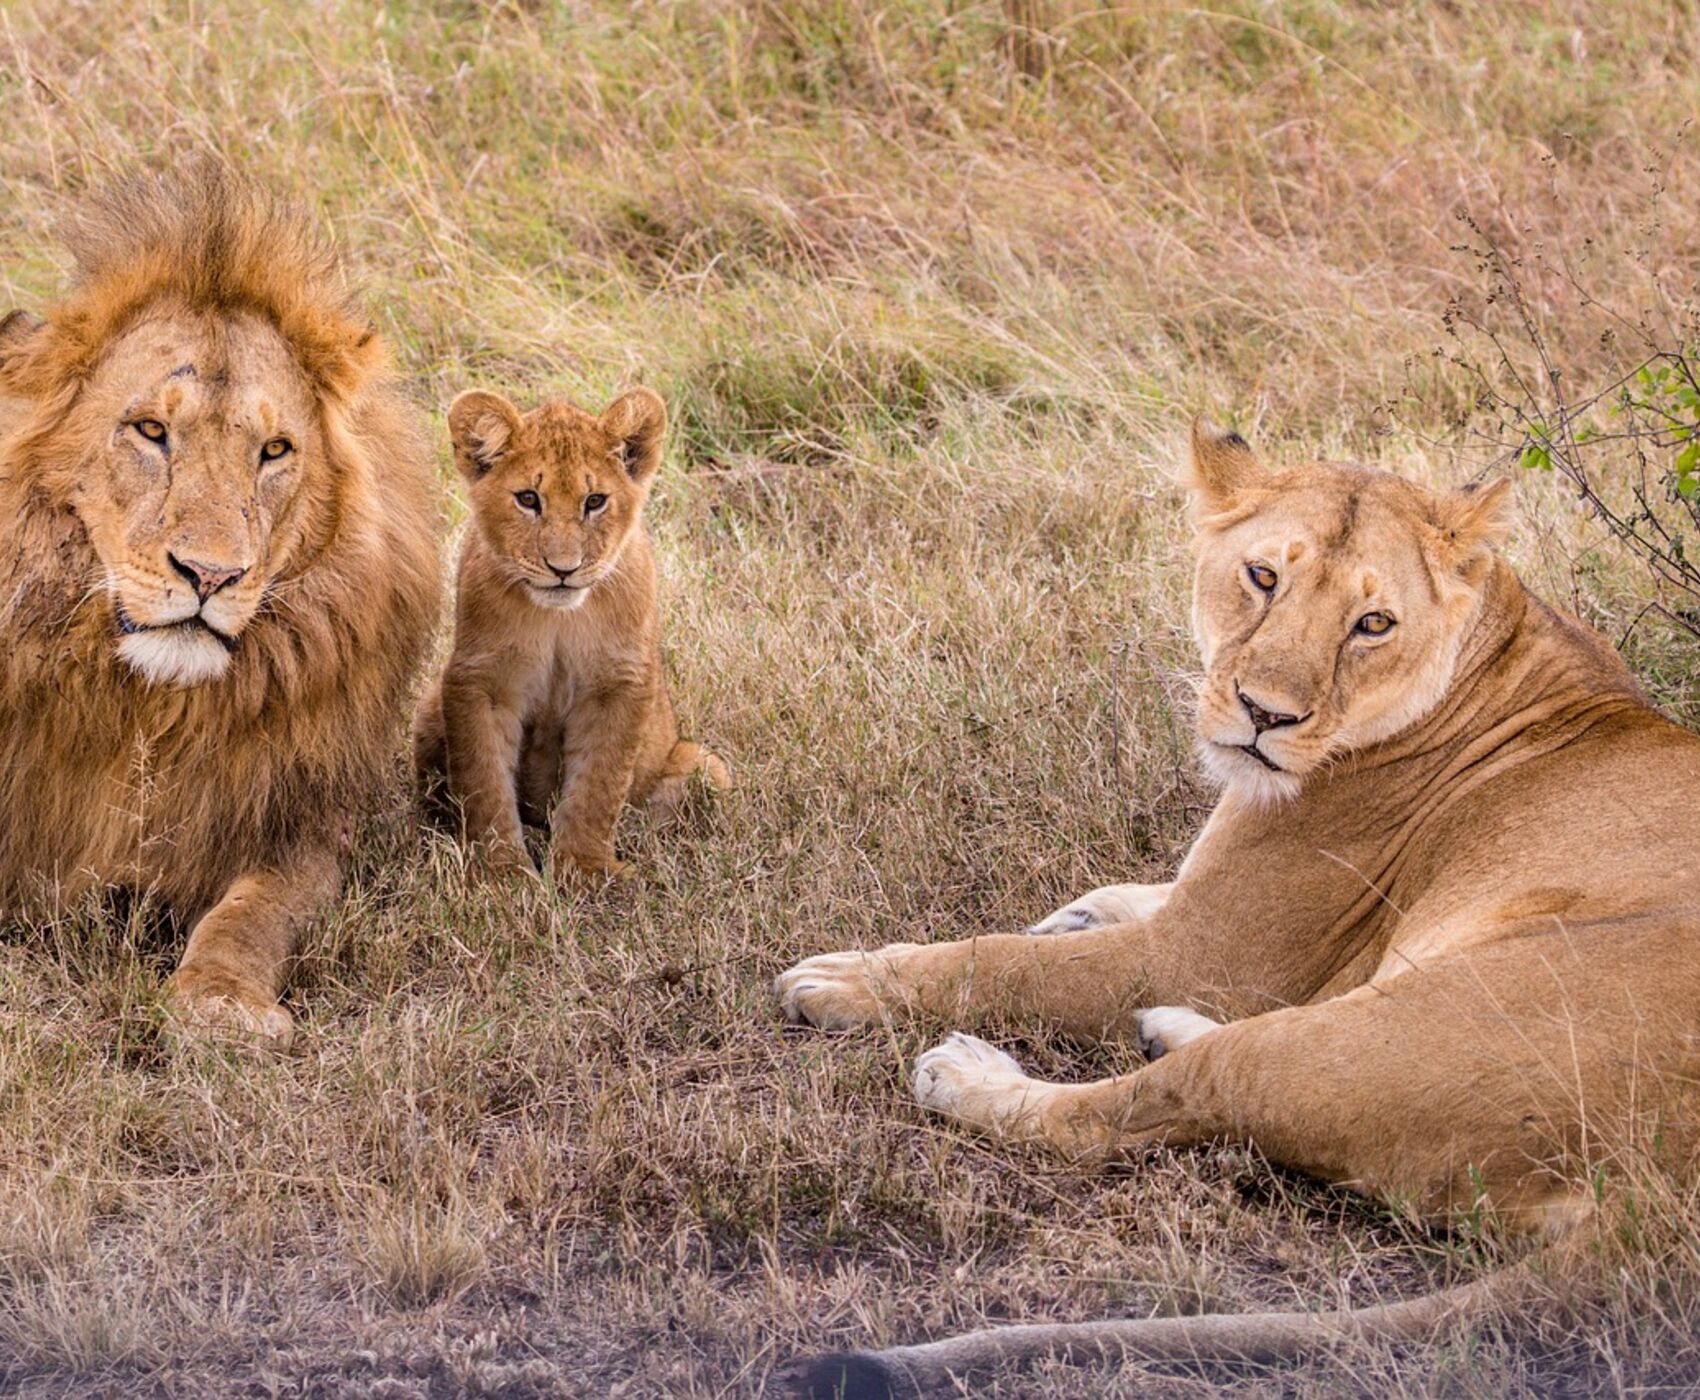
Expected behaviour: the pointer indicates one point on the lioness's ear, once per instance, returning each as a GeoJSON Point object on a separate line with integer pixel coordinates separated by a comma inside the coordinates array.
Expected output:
{"type": "Point", "coordinates": [639, 419]}
{"type": "Point", "coordinates": [1473, 522]}
{"type": "Point", "coordinates": [17, 330]}
{"type": "Point", "coordinates": [482, 427]}
{"type": "Point", "coordinates": [1222, 462]}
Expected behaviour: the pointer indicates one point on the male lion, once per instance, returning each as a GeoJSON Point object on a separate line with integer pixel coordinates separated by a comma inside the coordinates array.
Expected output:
{"type": "Point", "coordinates": [1437, 940]}
{"type": "Point", "coordinates": [218, 573]}
{"type": "Point", "coordinates": [554, 700]}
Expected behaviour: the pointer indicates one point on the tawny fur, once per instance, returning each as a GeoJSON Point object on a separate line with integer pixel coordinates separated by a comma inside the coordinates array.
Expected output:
{"type": "Point", "coordinates": [1449, 910]}
{"type": "Point", "coordinates": [221, 314]}
{"type": "Point", "coordinates": [553, 702]}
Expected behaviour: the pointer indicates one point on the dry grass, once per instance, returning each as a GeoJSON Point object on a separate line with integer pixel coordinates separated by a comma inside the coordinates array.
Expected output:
{"type": "Point", "coordinates": [931, 301]}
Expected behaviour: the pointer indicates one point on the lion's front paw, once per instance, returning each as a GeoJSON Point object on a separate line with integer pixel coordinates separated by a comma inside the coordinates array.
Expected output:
{"type": "Point", "coordinates": [219, 1004]}
{"type": "Point", "coordinates": [974, 1082]}
{"type": "Point", "coordinates": [837, 991]}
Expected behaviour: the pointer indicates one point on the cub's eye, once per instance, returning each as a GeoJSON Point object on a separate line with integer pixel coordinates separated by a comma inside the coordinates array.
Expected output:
{"type": "Point", "coordinates": [529, 501]}
{"type": "Point", "coordinates": [276, 448]}
{"type": "Point", "coordinates": [150, 428]}
{"type": "Point", "coordinates": [1262, 575]}
{"type": "Point", "coordinates": [1375, 624]}
{"type": "Point", "coordinates": [594, 502]}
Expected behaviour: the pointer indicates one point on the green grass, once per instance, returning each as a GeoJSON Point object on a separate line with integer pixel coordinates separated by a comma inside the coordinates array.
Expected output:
{"type": "Point", "coordinates": [931, 332]}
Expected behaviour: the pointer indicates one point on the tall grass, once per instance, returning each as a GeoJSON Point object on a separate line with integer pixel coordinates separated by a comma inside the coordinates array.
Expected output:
{"type": "Point", "coordinates": [932, 288]}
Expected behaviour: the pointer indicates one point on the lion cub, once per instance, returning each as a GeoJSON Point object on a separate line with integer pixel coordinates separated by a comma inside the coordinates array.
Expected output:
{"type": "Point", "coordinates": [553, 695]}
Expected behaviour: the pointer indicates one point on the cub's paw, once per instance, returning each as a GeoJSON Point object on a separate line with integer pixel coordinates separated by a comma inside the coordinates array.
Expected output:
{"type": "Point", "coordinates": [1166, 1028]}
{"type": "Point", "coordinates": [838, 991]}
{"type": "Point", "coordinates": [574, 870]}
{"type": "Point", "coordinates": [967, 1079]}
{"type": "Point", "coordinates": [494, 862]}
{"type": "Point", "coordinates": [216, 1005]}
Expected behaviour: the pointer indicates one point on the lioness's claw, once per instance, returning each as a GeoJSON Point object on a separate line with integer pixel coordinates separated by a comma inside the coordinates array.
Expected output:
{"type": "Point", "coordinates": [834, 991]}
{"type": "Point", "coordinates": [974, 1082]}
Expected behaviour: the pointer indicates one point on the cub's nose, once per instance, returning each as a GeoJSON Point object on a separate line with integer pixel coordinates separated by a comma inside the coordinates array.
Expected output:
{"type": "Point", "coordinates": [1261, 718]}
{"type": "Point", "coordinates": [205, 579]}
{"type": "Point", "coordinates": [559, 572]}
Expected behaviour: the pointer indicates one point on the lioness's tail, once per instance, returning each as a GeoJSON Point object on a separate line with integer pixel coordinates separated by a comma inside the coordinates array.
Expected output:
{"type": "Point", "coordinates": [1238, 1337]}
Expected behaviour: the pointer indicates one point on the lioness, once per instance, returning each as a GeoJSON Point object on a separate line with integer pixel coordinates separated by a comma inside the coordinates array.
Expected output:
{"type": "Point", "coordinates": [554, 699]}
{"type": "Point", "coordinates": [1437, 941]}
{"type": "Point", "coordinates": [218, 571]}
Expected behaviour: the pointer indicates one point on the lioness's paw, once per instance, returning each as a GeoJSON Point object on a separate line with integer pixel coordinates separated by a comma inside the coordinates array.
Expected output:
{"type": "Point", "coordinates": [1069, 919]}
{"type": "Point", "coordinates": [976, 1083]}
{"type": "Point", "coordinates": [1166, 1028]}
{"type": "Point", "coordinates": [1110, 904]}
{"type": "Point", "coordinates": [216, 1005]}
{"type": "Point", "coordinates": [836, 991]}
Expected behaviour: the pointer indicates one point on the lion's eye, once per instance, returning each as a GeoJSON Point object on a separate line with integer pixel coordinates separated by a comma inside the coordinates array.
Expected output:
{"type": "Point", "coordinates": [594, 502]}
{"type": "Point", "coordinates": [1375, 624]}
{"type": "Point", "coordinates": [276, 448]}
{"type": "Point", "coordinates": [529, 501]}
{"type": "Point", "coordinates": [1262, 575]}
{"type": "Point", "coordinates": [150, 428]}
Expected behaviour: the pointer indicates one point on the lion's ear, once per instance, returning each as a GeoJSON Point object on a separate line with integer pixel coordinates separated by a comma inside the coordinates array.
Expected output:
{"type": "Point", "coordinates": [1223, 463]}
{"type": "Point", "coordinates": [638, 418]}
{"type": "Point", "coordinates": [481, 427]}
{"type": "Point", "coordinates": [1473, 522]}
{"type": "Point", "coordinates": [17, 332]}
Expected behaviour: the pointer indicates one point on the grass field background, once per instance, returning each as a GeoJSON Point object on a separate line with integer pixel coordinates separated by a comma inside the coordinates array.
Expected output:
{"type": "Point", "coordinates": [933, 289]}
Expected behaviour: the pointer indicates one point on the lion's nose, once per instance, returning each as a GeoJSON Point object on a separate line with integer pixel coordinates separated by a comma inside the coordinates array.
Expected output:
{"type": "Point", "coordinates": [561, 571]}
{"type": "Point", "coordinates": [1263, 718]}
{"type": "Point", "coordinates": [205, 579]}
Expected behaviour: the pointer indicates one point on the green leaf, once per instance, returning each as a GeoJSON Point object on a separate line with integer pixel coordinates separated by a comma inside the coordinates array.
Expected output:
{"type": "Point", "coordinates": [1536, 458]}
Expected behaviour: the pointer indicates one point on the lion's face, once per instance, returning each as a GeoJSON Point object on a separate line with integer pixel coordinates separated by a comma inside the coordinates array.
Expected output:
{"type": "Point", "coordinates": [556, 492]}
{"type": "Point", "coordinates": [1330, 605]}
{"type": "Point", "coordinates": [201, 443]}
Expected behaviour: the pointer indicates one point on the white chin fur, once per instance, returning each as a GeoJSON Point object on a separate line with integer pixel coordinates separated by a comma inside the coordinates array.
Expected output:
{"type": "Point", "coordinates": [563, 599]}
{"type": "Point", "coordinates": [1246, 778]}
{"type": "Point", "coordinates": [175, 656]}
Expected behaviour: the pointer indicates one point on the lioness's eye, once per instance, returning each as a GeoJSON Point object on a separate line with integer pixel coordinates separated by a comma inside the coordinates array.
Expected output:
{"type": "Point", "coordinates": [275, 449]}
{"type": "Point", "coordinates": [150, 428]}
{"type": "Point", "coordinates": [1375, 624]}
{"type": "Point", "coordinates": [529, 501]}
{"type": "Point", "coordinates": [1262, 575]}
{"type": "Point", "coordinates": [595, 501]}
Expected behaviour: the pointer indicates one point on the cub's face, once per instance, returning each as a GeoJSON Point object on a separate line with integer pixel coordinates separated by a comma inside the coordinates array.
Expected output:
{"type": "Point", "coordinates": [193, 457]}
{"type": "Point", "coordinates": [556, 492]}
{"type": "Point", "coordinates": [1330, 605]}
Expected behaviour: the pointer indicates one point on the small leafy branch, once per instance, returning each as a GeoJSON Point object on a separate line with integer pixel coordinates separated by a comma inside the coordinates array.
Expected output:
{"type": "Point", "coordinates": [1628, 442]}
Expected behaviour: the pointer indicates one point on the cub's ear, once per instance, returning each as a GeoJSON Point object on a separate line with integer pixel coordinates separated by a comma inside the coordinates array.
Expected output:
{"type": "Point", "coordinates": [639, 419]}
{"type": "Point", "coordinates": [17, 332]}
{"type": "Point", "coordinates": [1473, 522]}
{"type": "Point", "coordinates": [481, 427]}
{"type": "Point", "coordinates": [1222, 462]}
